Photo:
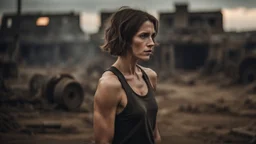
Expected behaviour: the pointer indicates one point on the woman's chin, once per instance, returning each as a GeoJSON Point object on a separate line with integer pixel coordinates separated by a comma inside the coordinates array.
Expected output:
{"type": "Point", "coordinates": [145, 58]}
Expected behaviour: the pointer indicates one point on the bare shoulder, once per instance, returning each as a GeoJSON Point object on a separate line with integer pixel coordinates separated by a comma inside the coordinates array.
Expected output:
{"type": "Point", "coordinates": [109, 81]}
{"type": "Point", "coordinates": [108, 88]}
{"type": "Point", "coordinates": [151, 73]}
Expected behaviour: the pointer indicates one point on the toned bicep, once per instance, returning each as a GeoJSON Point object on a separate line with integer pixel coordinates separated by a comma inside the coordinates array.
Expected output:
{"type": "Point", "coordinates": [105, 104]}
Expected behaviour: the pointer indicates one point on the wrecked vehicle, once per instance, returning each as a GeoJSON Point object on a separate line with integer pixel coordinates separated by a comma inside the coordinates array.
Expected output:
{"type": "Point", "coordinates": [240, 57]}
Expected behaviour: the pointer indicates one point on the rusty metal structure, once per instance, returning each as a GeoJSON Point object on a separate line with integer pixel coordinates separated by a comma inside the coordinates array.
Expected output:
{"type": "Point", "coordinates": [61, 89]}
{"type": "Point", "coordinates": [234, 53]}
{"type": "Point", "coordinates": [246, 69]}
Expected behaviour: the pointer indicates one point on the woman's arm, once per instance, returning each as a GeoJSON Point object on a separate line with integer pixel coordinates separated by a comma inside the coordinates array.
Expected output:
{"type": "Point", "coordinates": [106, 100]}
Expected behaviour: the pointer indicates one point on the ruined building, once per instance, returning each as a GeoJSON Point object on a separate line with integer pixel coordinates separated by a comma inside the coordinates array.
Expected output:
{"type": "Point", "coordinates": [45, 39]}
{"type": "Point", "coordinates": [185, 36]}
{"type": "Point", "coordinates": [183, 19]}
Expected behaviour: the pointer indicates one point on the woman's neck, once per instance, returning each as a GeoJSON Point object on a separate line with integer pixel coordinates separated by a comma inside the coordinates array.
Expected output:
{"type": "Point", "coordinates": [126, 64]}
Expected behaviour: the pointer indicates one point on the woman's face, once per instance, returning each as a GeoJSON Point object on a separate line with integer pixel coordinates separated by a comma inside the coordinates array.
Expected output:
{"type": "Point", "coordinates": [143, 41]}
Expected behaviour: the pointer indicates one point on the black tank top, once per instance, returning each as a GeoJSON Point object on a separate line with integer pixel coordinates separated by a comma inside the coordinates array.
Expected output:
{"type": "Point", "coordinates": [136, 123]}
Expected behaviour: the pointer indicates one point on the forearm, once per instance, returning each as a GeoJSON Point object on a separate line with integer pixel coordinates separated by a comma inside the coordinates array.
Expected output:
{"type": "Point", "coordinates": [103, 139]}
{"type": "Point", "coordinates": [157, 136]}
{"type": "Point", "coordinates": [158, 140]}
{"type": "Point", "coordinates": [103, 136]}
{"type": "Point", "coordinates": [103, 130]}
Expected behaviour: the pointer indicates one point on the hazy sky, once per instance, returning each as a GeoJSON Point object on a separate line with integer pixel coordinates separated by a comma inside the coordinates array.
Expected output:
{"type": "Point", "coordinates": [237, 14]}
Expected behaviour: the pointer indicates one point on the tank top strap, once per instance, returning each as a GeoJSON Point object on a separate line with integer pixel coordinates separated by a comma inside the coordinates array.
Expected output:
{"type": "Point", "coordinates": [121, 78]}
{"type": "Point", "coordinates": [146, 78]}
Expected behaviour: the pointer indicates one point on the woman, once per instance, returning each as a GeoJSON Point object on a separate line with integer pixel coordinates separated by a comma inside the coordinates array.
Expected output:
{"type": "Point", "coordinates": [125, 108]}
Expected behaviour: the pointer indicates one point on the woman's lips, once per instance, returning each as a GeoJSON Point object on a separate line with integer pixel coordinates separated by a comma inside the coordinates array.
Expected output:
{"type": "Point", "coordinates": [148, 52]}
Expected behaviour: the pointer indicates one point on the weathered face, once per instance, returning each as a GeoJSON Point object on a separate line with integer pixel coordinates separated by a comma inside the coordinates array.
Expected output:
{"type": "Point", "coordinates": [143, 41]}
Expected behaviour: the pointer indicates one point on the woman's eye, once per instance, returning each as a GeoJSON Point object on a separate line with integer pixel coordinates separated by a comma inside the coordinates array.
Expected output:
{"type": "Point", "coordinates": [144, 35]}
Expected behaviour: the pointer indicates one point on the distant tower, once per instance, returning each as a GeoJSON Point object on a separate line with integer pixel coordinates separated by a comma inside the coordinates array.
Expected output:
{"type": "Point", "coordinates": [181, 15]}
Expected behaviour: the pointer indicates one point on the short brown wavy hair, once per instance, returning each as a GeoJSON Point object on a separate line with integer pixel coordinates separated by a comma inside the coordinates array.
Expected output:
{"type": "Point", "coordinates": [121, 27]}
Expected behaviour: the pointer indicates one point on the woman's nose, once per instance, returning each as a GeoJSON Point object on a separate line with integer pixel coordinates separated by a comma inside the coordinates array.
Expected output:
{"type": "Point", "coordinates": [151, 43]}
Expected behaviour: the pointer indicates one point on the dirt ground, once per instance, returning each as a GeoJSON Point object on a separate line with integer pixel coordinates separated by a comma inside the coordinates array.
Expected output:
{"type": "Point", "coordinates": [193, 109]}
{"type": "Point", "coordinates": [205, 110]}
